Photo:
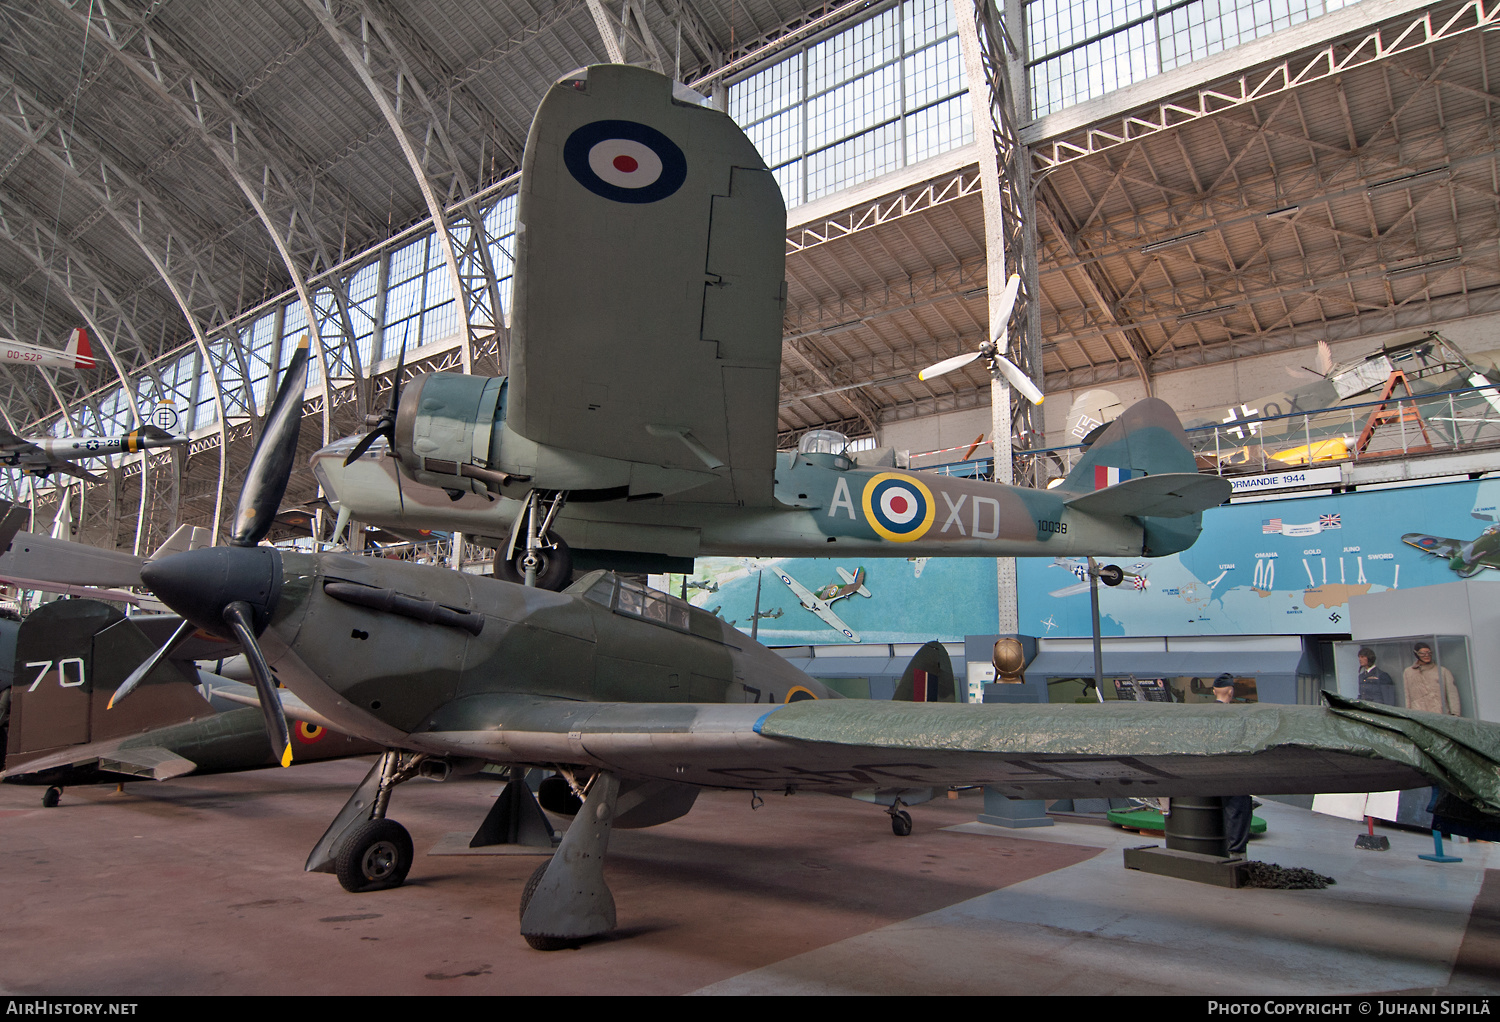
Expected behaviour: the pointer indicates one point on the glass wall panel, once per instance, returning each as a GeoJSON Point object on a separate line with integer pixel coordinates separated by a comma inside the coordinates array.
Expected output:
{"type": "Point", "coordinates": [1082, 49]}
{"type": "Point", "coordinates": [363, 307]}
{"type": "Point", "coordinates": [259, 342]}
{"type": "Point", "coordinates": [872, 99]}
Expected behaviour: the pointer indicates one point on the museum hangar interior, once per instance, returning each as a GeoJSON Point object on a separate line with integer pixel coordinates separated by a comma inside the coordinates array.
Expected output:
{"type": "Point", "coordinates": [1279, 217]}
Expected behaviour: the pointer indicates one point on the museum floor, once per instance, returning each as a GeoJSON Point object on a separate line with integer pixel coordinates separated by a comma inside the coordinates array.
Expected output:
{"type": "Point", "coordinates": [195, 886]}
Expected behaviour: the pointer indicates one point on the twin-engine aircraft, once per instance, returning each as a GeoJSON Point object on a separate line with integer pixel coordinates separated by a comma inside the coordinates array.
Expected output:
{"type": "Point", "coordinates": [637, 429]}
{"type": "Point", "coordinates": [78, 353]}
{"type": "Point", "coordinates": [636, 700]}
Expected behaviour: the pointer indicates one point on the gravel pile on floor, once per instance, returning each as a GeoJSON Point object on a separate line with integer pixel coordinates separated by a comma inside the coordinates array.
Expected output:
{"type": "Point", "coordinates": [1286, 878]}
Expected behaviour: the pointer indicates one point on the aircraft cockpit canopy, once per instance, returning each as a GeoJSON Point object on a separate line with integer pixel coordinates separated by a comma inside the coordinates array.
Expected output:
{"type": "Point", "coordinates": [632, 599]}
{"type": "Point", "coordinates": [823, 441]}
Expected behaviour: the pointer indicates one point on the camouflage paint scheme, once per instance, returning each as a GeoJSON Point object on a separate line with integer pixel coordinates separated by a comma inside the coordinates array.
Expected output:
{"type": "Point", "coordinates": [1466, 558]}
{"type": "Point", "coordinates": [71, 655]}
{"type": "Point", "coordinates": [823, 503]}
{"type": "Point", "coordinates": [584, 678]}
{"type": "Point", "coordinates": [645, 359]}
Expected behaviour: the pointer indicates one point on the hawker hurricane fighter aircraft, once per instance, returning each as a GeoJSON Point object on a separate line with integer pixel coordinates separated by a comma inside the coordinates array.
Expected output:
{"type": "Point", "coordinates": [637, 700]}
{"type": "Point", "coordinates": [637, 429]}
{"type": "Point", "coordinates": [44, 455]}
{"type": "Point", "coordinates": [821, 601]}
{"type": "Point", "coordinates": [76, 354]}
{"type": "Point", "coordinates": [1467, 558]}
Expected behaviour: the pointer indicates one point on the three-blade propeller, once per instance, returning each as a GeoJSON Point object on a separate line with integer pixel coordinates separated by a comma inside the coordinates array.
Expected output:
{"type": "Point", "coordinates": [221, 591]}
{"type": "Point", "coordinates": [994, 349]}
{"type": "Point", "coordinates": [385, 423]}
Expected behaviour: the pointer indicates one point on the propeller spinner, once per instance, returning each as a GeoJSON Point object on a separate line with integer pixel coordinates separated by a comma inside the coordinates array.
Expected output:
{"type": "Point", "coordinates": [994, 349]}
{"type": "Point", "coordinates": [232, 591]}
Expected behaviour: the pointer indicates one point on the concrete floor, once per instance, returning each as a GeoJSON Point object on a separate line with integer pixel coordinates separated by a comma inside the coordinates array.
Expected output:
{"type": "Point", "coordinates": [195, 886]}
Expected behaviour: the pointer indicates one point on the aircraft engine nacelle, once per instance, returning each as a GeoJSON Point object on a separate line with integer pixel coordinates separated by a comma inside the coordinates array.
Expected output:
{"type": "Point", "coordinates": [451, 432]}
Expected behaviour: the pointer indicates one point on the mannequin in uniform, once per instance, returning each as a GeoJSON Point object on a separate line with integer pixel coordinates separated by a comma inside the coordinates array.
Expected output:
{"type": "Point", "coordinates": [1428, 686]}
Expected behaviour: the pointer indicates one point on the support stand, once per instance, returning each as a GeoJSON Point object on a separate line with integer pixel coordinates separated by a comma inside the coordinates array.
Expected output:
{"type": "Point", "coordinates": [570, 900]}
{"type": "Point", "coordinates": [1000, 811]}
{"type": "Point", "coordinates": [1369, 841]}
{"type": "Point", "coordinates": [1438, 856]}
{"type": "Point", "coordinates": [1196, 847]}
{"type": "Point", "coordinates": [515, 819]}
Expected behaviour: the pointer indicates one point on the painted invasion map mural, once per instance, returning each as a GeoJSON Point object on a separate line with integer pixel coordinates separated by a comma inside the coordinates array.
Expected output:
{"type": "Point", "coordinates": [1265, 568]}
{"type": "Point", "coordinates": [1278, 567]}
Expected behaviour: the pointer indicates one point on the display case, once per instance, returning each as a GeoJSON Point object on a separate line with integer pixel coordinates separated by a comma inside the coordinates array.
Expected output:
{"type": "Point", "coordinates": [1395, 671]}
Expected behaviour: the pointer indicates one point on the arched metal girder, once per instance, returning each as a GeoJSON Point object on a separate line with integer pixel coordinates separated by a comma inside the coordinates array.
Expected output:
{"type": "Point", "coordinates": [17, 305]}
{"type": "Point", "coordinates": [386, 57]}
{"type": "Point", "coordinates": [238, 140]}
{"type": "Point", "coordinates": [140, 215]}
{"type": "Point", "coordinates": [62, 262]}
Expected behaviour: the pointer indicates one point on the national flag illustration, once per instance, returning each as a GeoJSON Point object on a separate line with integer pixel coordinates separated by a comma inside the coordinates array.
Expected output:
{"type": "Point", "coordinates": [1330, 521]}
{"type": "Point", "coordinates": [1104, 476]}
{"type": "Point", "coordinates": [1270, 525]}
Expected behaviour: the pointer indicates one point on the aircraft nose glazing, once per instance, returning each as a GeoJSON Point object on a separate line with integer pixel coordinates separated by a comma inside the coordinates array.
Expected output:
{"type": "Point", "coordinates": [200, 584]}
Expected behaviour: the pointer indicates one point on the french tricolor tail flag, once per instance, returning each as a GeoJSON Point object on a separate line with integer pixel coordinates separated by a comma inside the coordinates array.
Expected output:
{"type": "Point", "coordinates": [1104, 476]}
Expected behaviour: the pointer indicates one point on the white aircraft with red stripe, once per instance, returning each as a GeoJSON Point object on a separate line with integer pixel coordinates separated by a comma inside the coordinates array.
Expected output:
{"type": "Point", "coordinates": [78, 353]}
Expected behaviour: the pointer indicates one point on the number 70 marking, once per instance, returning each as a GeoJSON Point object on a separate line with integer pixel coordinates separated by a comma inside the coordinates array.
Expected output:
{"type": "Point", "coordinates": [62, 672]}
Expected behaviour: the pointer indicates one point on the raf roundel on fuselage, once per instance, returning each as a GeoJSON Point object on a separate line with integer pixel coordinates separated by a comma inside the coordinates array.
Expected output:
{"type": "Point", "coordinates": [625, 161]}
{"type": "Point", "coordinates": [898, 507]}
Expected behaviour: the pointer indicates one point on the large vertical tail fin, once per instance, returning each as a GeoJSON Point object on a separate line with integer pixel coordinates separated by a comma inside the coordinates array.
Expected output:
{"type": "Point", "coordinates": [1142, 467]}
{"type": "Point", "coordinates": [928, 678]}
{"type": "Point", "coordinates": [79, 348]}
{"type": "Point", "coordinates": [70, 657]}
{"type": "Point", "coordinates": [1147, 439]}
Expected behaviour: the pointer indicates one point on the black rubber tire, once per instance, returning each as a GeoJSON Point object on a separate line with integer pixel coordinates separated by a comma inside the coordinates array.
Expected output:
{"type": "Point", "coordinates": [555, 573]}
{"type": "Point", "coordinates": [51, 797]}
{"type": "Point", "coordinates": [1111, 574]}
{"type": "Point", "coordinates": [901, 823]}
{"type": "Point", "coordinates": [376, 857]}
{"type": "Point", "coordinates": [541, 943]}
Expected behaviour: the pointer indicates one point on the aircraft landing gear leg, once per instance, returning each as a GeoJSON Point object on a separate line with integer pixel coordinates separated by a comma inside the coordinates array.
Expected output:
{"type": "Point", "coordinates": [566, 900]}
{"type": "Point", "coordinates": [535, 556]}
{"type": "Point", "coordinates": [900, 819]}
{"type": "Point", "coordinates": [367, 851]}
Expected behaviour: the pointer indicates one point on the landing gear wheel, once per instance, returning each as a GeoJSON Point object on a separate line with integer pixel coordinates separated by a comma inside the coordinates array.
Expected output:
{"type": "Point", "coordinates": [51, 797]}
{"type": "Point", "coordinates": [554, 571]}
{"type": "Point", "coordinates": [541, 943]}
{"type": "Point", "coordinates": [377, 856]}
{"type": "Point", "coordinates": [901, 823]}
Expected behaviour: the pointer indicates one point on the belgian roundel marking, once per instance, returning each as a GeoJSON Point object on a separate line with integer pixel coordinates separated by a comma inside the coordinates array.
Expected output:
{"type": "Point", "coordinates": [308, 733]}
{"type": "Point", "coordinates": [625, 161]}
{"type": "Point", "coordinates": [898, 507]}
